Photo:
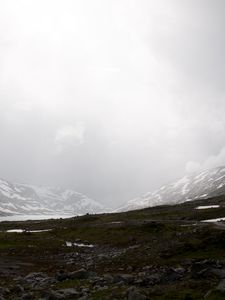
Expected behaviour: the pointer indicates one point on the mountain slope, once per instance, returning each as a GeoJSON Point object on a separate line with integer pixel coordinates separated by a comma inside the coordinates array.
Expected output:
{"type": "Point", "coordinates": [29, 199]}
{"type": "Point", "coordinates": [199, 186]}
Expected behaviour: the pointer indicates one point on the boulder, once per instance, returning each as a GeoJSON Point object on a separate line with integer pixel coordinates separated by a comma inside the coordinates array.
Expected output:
{"type": "Point", "coordinates": [81, 274]}
{"type": "Point", "coordinates": [125, 278]}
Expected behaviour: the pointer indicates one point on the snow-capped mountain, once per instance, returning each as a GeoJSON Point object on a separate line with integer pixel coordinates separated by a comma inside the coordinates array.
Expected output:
{"type": "Point", "coordinates": [29, 199]}
{"type": "Point", "coordinates": [199, 186]}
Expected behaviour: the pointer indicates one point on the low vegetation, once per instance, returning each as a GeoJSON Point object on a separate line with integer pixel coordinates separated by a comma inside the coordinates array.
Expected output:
{"type": "Point", "coordinates": [162, 253]}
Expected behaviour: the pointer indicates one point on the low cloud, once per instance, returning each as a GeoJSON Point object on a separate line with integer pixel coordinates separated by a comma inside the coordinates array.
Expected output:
{"type": "Point", "coordinates": [212, 161]}
{"type": "Point", "coordinates": [192, 167]}
{"type": "Point", "coordinates": [111, 98]}
{"type": "Point", "coordinates": [69, 136]}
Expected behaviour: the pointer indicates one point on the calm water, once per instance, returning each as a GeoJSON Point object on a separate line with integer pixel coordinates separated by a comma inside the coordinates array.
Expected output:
{"type": "Point", "coordinates": [33, 217]}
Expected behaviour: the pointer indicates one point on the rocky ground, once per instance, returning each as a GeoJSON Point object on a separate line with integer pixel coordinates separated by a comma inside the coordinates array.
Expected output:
{"type": "Point", "coordinates": [157, 253]}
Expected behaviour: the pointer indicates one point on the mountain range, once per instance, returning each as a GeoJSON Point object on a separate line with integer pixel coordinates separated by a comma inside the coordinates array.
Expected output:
{"type": "Point", "coordinates": [16, 198]}
{"type": "Point", "coordinates": [206, 184]}
{"type": "Point", "coordinates": [25, 199]}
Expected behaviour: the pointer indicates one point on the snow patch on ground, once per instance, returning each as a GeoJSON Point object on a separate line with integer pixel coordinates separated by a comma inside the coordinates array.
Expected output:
{"type": "Point", "coordinates": [15, 230]}
{"type": "Point", "coordinates": [213, 220]}
{"type": "Point", "coordinates": [70, 244]}
{"type": "Point", "coordinates": [220, 186]}
{"type": "Point", "coordinates": [207, 206]}
{"type": "Point", "coordinates": [203, 196]}
{"type": "Point", "coordinates": [30, 231]}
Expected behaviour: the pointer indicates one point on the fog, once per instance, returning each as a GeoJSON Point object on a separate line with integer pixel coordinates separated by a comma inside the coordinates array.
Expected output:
{"type": "Point", "coordinates": [112, 98]}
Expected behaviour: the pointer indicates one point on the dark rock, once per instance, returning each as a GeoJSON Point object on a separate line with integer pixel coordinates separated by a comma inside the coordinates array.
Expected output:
{"type": "Point", "coordinates": [61, 294]}
{"type": "Point", "coordinates": [81, 274]}
{"type": "Point", "coordinates": [39, 276]}
{"type": "Point", "coordinates": [17, 289]}
{"type": "Point", "coordinates": [27, 296]}
{"type": "Point", "coordinates": [4, 291]}
{"type": "Point", "coordinates": [220, 273]}
{"type": "Point", "coordinates": [179, 270]}
{"type": "Point", "coordinates": [85, 290]}
{"type": "Point", "coordinates": [37, 281]}
{"type": "Point", "coordinates": [52, 295]}
{"type": "Point", "coordinates": [61, 276]}
{"type": "Point", "coordinates": [125, 278]}
{"type": "Point", "coordinates": [78, 241]}
{"type": "Point", "coordinates": [221, 286]}
{"type": "Point", "coordinates": [200, 269]}
{"type": "Point", "coordinates": [134, 294]}
{"type": "Point", "coordinates": [208, 294]}
{"type": "Point", "coordinates": [68, 293]}
{"type": "Point", "coordinates": [187, 262]}
{"type": "Point", "coordinates": [108, 278]}
{"type": "Point", "coordinates": [129, 269]}
{"type": "Point", "coordinates": [146, 268]}
{"type": "Point", "coordinates": [171, 275]}
{"type": "Point", "coordinates": [151, 279]}
{"type": "Point", "coordinates": [102, 288]}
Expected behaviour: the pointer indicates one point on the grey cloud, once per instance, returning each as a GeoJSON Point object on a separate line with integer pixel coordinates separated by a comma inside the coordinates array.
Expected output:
{"type": "Point", "coordinates": [112, 98]}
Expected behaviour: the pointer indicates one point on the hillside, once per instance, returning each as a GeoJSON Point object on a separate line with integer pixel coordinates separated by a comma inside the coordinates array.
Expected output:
{"type": "Point", "coordinates": [203, 185]}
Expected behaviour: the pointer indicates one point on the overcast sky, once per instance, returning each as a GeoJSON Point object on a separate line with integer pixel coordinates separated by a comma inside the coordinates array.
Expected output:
{"type": "Point", "coordinates": [111, 97]}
